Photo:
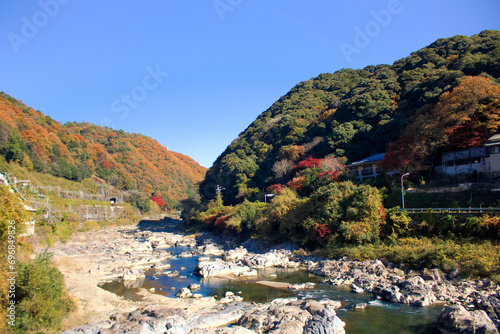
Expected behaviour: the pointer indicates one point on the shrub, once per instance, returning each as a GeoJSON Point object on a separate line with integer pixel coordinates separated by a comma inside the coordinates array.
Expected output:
{"type": "Point", "coordinates": [397, 223]}
{"type": "Point", "coordinates": [361, 231]}
{"type": "Point", "coordinates": [41, 298]}
{"type": "Point", "coordinates": [354, 212]}
{"type": "Point", "coordinates": [483, 227]}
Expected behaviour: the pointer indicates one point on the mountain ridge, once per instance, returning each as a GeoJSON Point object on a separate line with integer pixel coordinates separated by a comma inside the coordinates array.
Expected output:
{"type": "Point", "coordinates": [75, 151]}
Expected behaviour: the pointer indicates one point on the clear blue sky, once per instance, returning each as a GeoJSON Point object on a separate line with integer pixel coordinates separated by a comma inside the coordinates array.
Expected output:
{"type": "Point", "coordinates": [194, 74]}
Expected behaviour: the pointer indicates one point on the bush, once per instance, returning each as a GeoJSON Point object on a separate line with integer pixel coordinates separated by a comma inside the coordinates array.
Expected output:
{"type": "Point", "coordinates": [354, 212]}
{"type": "Point", "coordinates": [41, 298]}
{"type": "Point", "coordinates": [361, 231]}
{"type": "Point", "coordinates": [397, 223]}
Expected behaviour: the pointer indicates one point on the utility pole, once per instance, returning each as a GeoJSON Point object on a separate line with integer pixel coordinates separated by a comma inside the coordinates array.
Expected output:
{"type": "Point", "coordinates": [402, 189]}
{"type": "Point", "coordinates": [48, 209]}
{"type": "Point", "coordinates": [218, 190]}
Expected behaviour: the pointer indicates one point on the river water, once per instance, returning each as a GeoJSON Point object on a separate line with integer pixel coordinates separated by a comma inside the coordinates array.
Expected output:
{"type": "Point", "coordinates": [379, 317]}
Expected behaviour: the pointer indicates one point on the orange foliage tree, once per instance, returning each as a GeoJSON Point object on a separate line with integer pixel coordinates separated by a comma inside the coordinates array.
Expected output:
{"type": "Point", "coordinates": [465, 117]}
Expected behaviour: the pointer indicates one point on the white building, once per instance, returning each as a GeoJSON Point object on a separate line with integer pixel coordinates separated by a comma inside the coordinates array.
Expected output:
{"type": "Point", "coordinates": [463, 162]}
{"type": "Point", "coordinates": [484, 159]}
{"type": "Point", "coordinates": [492, 158]}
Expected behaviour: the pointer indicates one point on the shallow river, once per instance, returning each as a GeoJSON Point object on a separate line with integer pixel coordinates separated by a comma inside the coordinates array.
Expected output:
{"type": "Point", "coordinates": [378, 317]}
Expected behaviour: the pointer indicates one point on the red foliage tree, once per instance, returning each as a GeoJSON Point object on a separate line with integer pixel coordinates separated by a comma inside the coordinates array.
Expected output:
{"type": "Point", "coordinates": [322, 230]}
{"type": "Point", "coordinates": [158, 200]}
{"type": "Point", "coordinates": [329, 174]}
{"type": "Point", "coordinates": [275, 189]}
{"type": "Point", "coordinates": [309, 163]}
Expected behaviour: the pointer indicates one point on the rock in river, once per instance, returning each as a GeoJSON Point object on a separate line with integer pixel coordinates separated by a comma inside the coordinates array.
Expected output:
{"type": "Point", "coordinates": [456, 319]}
{"type": "Point", "coordinates": [218, 268]}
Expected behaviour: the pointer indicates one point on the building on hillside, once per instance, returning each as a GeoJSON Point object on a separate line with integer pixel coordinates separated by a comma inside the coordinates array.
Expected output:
{"type": "Point", "coordinates": [463, 162]}
{"type": "Point", "coordinates": [368, 167]}
{"type": "Point", "coordinates": [484, 159]}
{"type": "Point", "coordinates": [492, 158]}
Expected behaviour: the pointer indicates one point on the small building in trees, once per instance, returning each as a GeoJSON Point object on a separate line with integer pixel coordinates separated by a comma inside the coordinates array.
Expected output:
{"type": "Point", "coordinates": [367, 168]}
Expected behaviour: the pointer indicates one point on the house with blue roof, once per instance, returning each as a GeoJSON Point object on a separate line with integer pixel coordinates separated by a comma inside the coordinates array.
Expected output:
{"type": "Point", "coordinates": [367, 168]}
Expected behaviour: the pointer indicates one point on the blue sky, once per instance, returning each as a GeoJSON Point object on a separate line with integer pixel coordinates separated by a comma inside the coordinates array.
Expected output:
{"type": "Point", "coordinates": [194, 74]}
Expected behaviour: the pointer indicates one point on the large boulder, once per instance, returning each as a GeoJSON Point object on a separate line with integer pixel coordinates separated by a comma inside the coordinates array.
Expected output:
{"type": "Point", "coordinates": [210, 249]}
{"type": "Point", "coordinates": [184, 293]}
{"type": "Point", "coordinates": [324, 322]}
{"type": "Point", "coordinates": [456, 319]}
{"type": "Point", "coordinates": [274, 317]}
{"type": "Point", "coordinates": [236, 254]}
{"type": "Point", "coordinates": [133, 274]}
{"type": "Point", "coordinates": [490, 303]}
{"type": "Point", "coordinates": [220, 316]}
{"type": "Point", "coordinates": [290, 315]}
{"type": "Point", "coordinates": [274, 258]}
{"type": "Point", "coordinates": [219, 268]}
{"type": "Point", "coordinates": [416, 292]}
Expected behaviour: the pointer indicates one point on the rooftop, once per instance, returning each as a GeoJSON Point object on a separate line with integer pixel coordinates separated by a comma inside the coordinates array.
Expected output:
{"type": "Point", "coordinates": [494, 138]}
{"type": "Point", "coordinates": [373, 158]}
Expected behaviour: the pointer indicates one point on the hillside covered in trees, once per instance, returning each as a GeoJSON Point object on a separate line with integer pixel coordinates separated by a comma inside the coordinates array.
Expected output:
{"type": "Point", "coordinates": [443, 96]}
{"type": "Point", "coordinates": [283, 179]}
{"type": "Point", "coordinates": [76, 151]}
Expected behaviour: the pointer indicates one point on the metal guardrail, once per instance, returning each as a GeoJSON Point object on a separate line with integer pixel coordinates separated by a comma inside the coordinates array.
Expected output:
{"type": "Point", "coordinates": [451, 210]}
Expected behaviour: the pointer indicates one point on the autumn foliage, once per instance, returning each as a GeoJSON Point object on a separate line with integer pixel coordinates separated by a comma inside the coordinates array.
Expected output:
{"type": "Point", "coordinates": [309, 163]}
{"type": "Point", "coordinates": [275, 189]}
{"type": "Point", "coordinates": [158, 200]}
{"type": "Point", "coordinates": [464, 117]}
{"type": "Point", "coordinates": [78, 150]}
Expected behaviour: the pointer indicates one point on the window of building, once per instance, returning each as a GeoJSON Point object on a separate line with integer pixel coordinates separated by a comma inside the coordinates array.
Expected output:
{"type": "Point", "coordinates": [367, 170]}
{"type": "Point", "coordinates": [494, 149]}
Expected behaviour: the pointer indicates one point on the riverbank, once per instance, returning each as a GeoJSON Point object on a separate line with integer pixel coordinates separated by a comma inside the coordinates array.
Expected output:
{"type": "Point", "coordinates": [89, 259]}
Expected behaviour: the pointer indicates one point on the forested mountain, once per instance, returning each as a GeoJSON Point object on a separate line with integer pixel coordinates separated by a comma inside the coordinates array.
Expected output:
{"type": "Point", "coordinates": [77, 150]}
{"type": "Point", "coordinates": [445, 95]}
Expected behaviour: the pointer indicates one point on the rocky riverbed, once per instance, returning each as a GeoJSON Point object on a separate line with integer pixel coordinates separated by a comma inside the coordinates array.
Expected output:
{"type": "Point", "coordinates": [125, 253]}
